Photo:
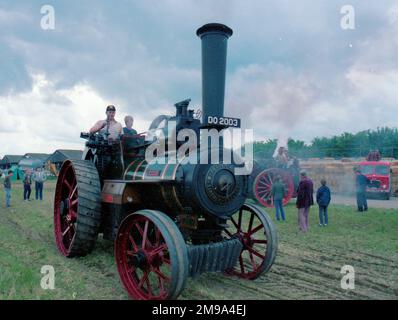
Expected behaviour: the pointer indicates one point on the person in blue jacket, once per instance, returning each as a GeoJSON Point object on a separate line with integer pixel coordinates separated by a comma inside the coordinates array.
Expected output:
{"type": "Point", "coordinates": [323, 199]}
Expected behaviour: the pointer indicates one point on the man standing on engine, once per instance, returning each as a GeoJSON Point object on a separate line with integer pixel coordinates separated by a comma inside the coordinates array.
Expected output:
{"type": "Point", "coordinates": [109, 127]}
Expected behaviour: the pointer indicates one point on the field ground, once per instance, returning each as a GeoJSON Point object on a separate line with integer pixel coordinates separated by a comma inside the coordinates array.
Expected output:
{"type": "Point", "coordinates": [307, 265]}
{"type": "Point", "coordinates": [373, 203]}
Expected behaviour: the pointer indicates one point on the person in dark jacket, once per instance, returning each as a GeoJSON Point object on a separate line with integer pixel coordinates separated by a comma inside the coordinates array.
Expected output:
{"type": "Point", "coordinates": [27, 182]}
{"type": "Point", "coordinates": [304, 200]}
{"type": "Point", "coordinates": [323, 200]}
{"type": "Point", "coordinates": [278, 192]}
{"type": "Point", "coordinates": [361, 182]}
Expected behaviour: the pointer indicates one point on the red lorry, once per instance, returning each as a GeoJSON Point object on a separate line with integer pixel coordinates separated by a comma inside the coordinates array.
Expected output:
{"type": "Point", "coordinates": [379, 174]}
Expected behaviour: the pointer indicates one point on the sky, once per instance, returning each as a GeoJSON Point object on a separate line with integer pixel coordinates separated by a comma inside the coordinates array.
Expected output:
{"type": "Point", "coordinates": [292, 69]}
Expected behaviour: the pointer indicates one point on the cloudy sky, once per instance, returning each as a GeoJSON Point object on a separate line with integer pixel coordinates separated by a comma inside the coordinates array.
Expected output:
{"type": "Point", "coordinates": [292, 69]}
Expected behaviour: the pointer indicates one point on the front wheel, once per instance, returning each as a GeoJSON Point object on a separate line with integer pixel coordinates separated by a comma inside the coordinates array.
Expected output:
{"type": "Point", "coordinates": [151, 256]}
{"type": "Point", "coordinates": [259, 238]}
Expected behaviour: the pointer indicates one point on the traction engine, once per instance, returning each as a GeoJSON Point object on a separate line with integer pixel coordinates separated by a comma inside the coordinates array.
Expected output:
{"type": "Point", "coordinates": [169, 219]}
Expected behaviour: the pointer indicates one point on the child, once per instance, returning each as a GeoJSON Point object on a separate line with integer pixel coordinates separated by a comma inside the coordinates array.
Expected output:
{"type": "Point", "coordinates": [323, 200]}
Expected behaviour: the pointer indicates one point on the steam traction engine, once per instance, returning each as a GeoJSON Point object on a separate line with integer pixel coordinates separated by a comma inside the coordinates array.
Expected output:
{"type": "Point", "coordinates": [168, 219]}
{"type": "Point", "coordinates": [265, 172]}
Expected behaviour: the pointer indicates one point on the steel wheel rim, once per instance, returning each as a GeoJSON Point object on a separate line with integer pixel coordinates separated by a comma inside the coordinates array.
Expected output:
{"type": "Point", "coordinates": [252, 234]}
{"type": "Point", "coordinates": [263, 184]}
{"type": "Point", "coordinates": [66, 209]}
{"type": "Point", "coordinates": [145, 267]}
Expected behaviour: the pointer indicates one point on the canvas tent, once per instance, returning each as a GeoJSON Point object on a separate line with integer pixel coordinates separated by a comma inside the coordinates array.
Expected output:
{"type": "Point", "coordinates": [9, 160]}
{"type": "Point", "coordinates": [37, 157]}
{"type": "Point", "coordinates": [59, 156]}
{"type": "Point", "coordinates": [17, 173]}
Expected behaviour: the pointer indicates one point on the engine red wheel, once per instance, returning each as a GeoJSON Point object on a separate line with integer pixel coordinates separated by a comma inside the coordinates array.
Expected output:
{"type": "Point", "coordinates": [77, 208]}
{"type": "Point", "coordinates": [151, 256]}
{"type": "Point", "coordinates": [263, 184]}
{"type": "Point", "coordinates": [259, 238]}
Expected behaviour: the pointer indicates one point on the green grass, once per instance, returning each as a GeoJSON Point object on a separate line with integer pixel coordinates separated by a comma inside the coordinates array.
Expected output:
{"type": "Point", "coordinates": [307, 265]}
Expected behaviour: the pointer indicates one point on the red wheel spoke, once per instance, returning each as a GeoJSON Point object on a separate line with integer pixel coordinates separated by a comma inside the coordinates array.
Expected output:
{"type": "Point", "coordinates": [144, 236]}
{"type": "Point", "coordinates": [67, 184]}
{"type": "Point", "coordinates": [228, 233]}
{"type": "Point", "coordinates": [260, 241]}
{"type": "Point", "coordinates": [137, 225]}
{"type": "Point", "coordinates": [149, 287]}
{"type": "Point", "coordinates": [143, 279]}
{"type": "Point", "coordinates": [71, 241]}
{"type": "Point", "coordinates": [73, 215]}
{"type": "Point", "coordinates": [235, 224]}
{"type": "Point", "coordinates": [250, 221]}
{"type": "Point", "coordinates": [66, 230]}
{"type": "Point", "coordinates": [251, 250]}
{"type": "Point", "coordinates": [157, 237]}
{"type": "Point", "coordinates": [73, 192]}
{"type": "Point", "coordinates": [252, 261]}
{"type": "Point", "coordinates": [242, 267]}
{"type": "Point", "coordinates": [133, 243]}
{"type": "Point", "coordinates": [259, 227]}
{"type": "Point", "coordinates": [74, 202]}
{"type": "Point", "coordinates": [240, 219]}
{"type": "Point", "coordinates": [161, 275]}
{"type": "Point", "coordinates": [158, 249]}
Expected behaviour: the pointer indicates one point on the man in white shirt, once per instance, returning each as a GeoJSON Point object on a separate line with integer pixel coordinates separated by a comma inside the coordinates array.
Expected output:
{"type": "Point", "coordinates": [109, 125]}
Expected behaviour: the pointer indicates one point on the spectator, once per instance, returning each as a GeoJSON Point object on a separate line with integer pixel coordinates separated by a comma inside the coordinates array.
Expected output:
{"type": "Point", "coordinates": [7, 188]}
{"type": "Point", "coordinates": [278, 192]}
{"type": "Point", "coordinates": [108, 127]}
{"type": "Point", "coordinates": [39, 177]}
{"type": "Point", "coordinates": [361, 182]}
{"type": "Point", "coordinates": [323, 200]}
{"type": "Point", "coordinates": [27, 182]}
{"type": "Point", "coordinates": [304, 201]}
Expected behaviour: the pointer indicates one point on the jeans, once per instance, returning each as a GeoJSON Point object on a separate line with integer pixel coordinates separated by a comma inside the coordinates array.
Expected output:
{"type": "Point", "coordinates": [8, 197]}
{"type": "Point", "coordinates": [303, 215]}
{"type": "Point", "coordinates": [323, 215]}
{"type": "Point", "coordinates": [361, 201]}
{"type": "Point", "coordinates": [279, 208]}
{"type": "Point", "coordinates": [26, 192]}
{"type": "Point", "coordinates": [39, 190]}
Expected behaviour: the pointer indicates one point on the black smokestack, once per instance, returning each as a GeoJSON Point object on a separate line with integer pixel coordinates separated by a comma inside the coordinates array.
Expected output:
{"type": "Point", "coordinates": [214, 38]}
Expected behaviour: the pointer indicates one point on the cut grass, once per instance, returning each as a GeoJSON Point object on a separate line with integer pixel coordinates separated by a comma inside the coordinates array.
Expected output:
{"type": "Point", "coordinates": [307, 265]}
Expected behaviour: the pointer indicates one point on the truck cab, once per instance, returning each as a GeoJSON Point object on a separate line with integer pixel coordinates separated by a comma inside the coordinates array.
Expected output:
{"type": "Point", "coordinates": [379, 174]}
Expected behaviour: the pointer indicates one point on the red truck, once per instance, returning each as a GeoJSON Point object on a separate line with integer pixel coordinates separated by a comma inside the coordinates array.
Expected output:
{"type": "Point", "coordinates": [379, 174]}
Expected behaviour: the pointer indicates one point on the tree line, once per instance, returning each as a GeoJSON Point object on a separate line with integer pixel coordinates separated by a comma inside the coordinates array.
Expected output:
{"type": "Point", "coordinates": [340, 146]}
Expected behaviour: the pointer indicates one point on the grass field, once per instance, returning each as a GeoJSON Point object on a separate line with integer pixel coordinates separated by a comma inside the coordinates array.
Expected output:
{"type": "Point", "coordinates": [307, 265]}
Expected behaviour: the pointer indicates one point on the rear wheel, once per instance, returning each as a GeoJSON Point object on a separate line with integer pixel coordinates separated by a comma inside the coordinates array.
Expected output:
{"type": "Point", "coordinates": [259, 238]}
{"type": "Point", "coordinates": [77, 208]}
{"type": "Point", "coordinates": [263, 185]}
{"type": "Point", "coordinates": [151, 256]}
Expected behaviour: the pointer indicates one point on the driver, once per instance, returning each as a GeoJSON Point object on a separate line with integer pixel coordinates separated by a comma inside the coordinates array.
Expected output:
{"type": "Point", "coordinates": [108, 127]}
